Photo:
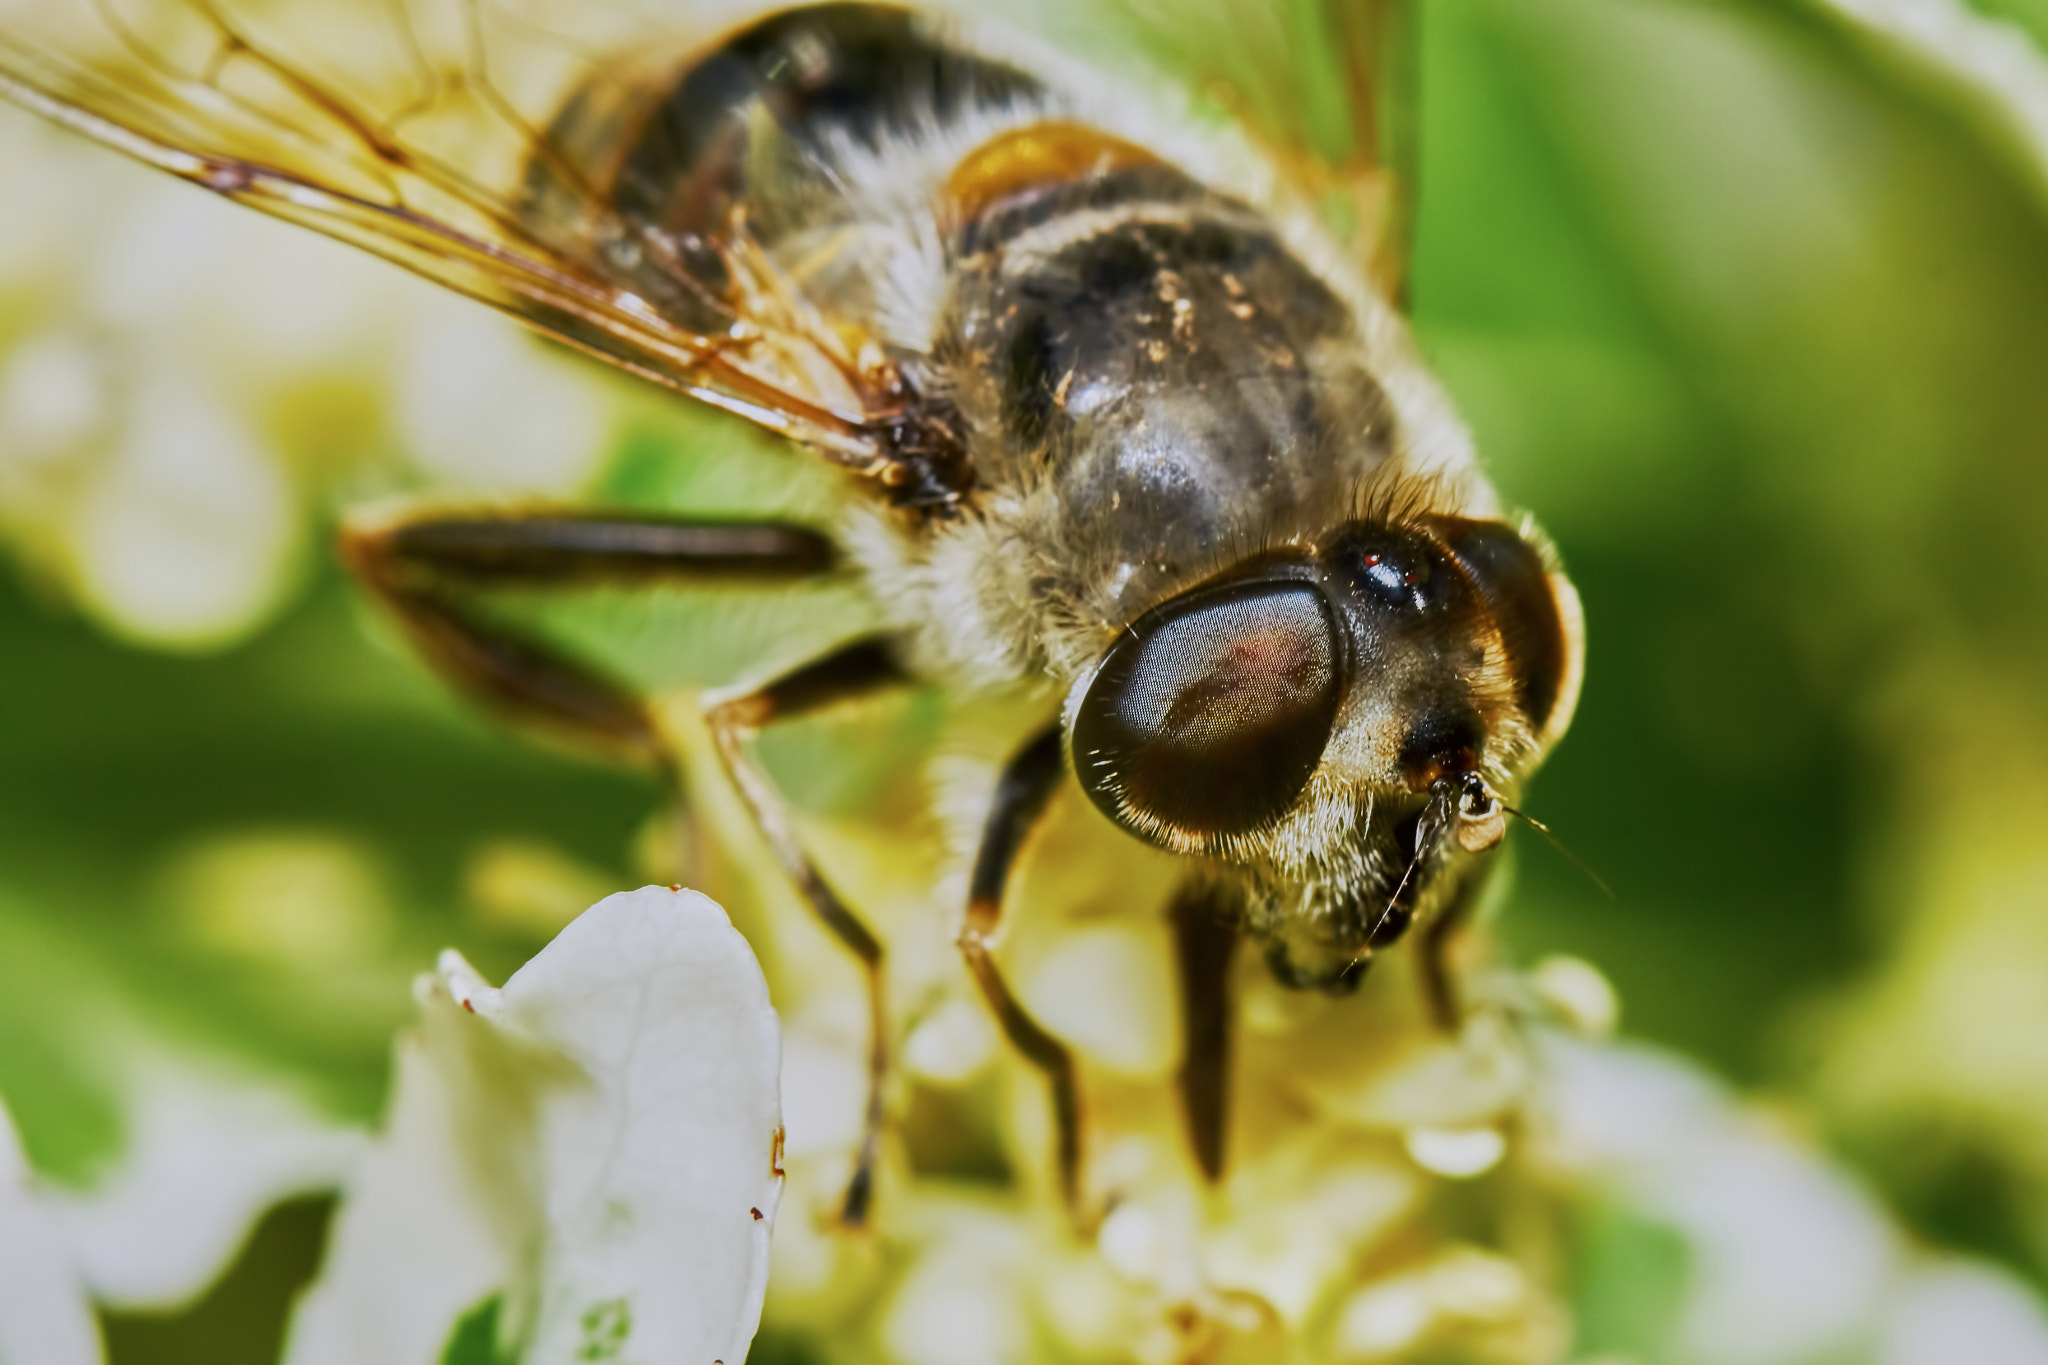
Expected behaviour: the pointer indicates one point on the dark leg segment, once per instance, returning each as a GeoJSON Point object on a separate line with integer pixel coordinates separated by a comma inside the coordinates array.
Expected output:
{"type": "Point", "coordinates": [1205, 932]}
{"type": "Point", "coordinates": [559, 548]}
{"type": "Point", "coordinates": [430, 569]}
{"type": "Point", "coordinates": [524, 681]}
{"type": "Point", "coordinates": [1021, 795]}
{"type": "Point", "coordinates": [852, 672]}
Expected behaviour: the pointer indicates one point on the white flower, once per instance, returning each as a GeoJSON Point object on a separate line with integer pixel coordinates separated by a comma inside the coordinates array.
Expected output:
{"type": "Point", "coordinates": [1787, 1258]}
{"type": "Point", "coordinates": [185, 386]}
{"type": "Point", "coordinates": [45, 1316]}
{"type": "Point", "coordinates": [207, 1150]}
{"type": "Point", "coordinates": [583, 1165]}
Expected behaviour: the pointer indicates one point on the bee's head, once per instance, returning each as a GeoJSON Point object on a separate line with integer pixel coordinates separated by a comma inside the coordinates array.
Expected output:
{"type": "Point", "coordinates": [1299, 708]}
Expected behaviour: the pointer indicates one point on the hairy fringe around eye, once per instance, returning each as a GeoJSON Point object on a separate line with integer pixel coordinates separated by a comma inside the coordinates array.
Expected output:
{"type": "Point", "coordinates": [1395, 496]}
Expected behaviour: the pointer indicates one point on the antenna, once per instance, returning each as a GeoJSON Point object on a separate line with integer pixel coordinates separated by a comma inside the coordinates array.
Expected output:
{"type": "Point", "coordinates": [1574, 859]}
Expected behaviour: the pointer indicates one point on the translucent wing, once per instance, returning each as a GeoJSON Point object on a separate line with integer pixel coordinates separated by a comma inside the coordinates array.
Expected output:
{"type": "Point", "coordinates": [432, 133]}
{"type": "Point", "coordinates": [1326, 85]}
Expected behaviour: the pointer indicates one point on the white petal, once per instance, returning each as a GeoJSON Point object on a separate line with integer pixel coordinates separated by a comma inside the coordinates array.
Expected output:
{"type": "Point", "coordinates": [594, 1145]}
{"type": "Point", "coordinates": [421, 1238]}
{"type": "Point", "coordinates": [1791, 1260]}
{"type": "Point", "coordinates": [1961, 1310]}
{"type": "Point", "coordinates": [1620, 1108]}
{"type": "Point", "coordinates": [964, 1301]}
{"type": "Point", "coordinates": [206, 1154]}
{"type": "Point", "coordinates": [1993, 58]}
{"type": "Point", "coordinates": [44, 1316]}
{"type": "Point", "coordinates": [184, 538]}
{"type": "Point", "coordinates": [1457, 1153]}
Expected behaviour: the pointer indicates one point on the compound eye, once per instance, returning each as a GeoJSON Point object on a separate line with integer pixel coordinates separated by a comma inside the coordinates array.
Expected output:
{"type": "Point", "coordinates": [1517, 587]}
{"type": "Point", "coordinates": [1208, 715]}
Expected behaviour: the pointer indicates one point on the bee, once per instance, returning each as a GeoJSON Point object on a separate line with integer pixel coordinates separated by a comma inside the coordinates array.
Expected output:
{"type": "Point", "coordinates": [1127, 428]}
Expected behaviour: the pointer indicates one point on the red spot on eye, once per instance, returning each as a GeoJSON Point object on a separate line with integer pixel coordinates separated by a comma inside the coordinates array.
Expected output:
{"type": "Point", "coordinates": [1371, 560]}
{"type": "Point", "coordinates": [756, 1213]}
{"type": "Point", "coordinates": [1409, 579]}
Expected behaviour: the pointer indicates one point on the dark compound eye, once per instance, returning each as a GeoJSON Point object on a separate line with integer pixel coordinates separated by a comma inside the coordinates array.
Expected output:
{"type": "Point", "coordinates": [1207, 717]}
{"type": "Point", "coordinates": [1515, 584]}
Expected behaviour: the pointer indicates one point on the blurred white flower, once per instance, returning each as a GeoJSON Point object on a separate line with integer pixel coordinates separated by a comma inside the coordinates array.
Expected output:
{"type": "Point", "coordinates": [1788, 1258]}
{"type": "Point", "coordinates": [1957, 1311]}
{"type": "Point", "coordinates": [45, 1316]}
{"type": "Point", "coordinates": [188, 529]}
{"type": "Point", "coordinates": [1991, 58]}
{"type": "Point", "coordinates": [481, 408]}
{"type": "Point", "coordinates": [206, 1153]}
{"type": "Point", "coordinates": [582, 1165]}
{"type": "Point", "coordinates": [186, 388]}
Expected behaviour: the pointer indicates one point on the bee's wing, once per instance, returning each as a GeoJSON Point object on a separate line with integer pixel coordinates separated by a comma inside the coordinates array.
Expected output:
{"type": "Point", "coordinates": [420, 130]}
{"type": "Point", "coordinates": [1327, 86]}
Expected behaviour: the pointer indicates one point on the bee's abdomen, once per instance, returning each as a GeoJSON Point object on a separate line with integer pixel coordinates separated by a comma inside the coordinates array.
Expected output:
{"type": "Point", "coordinates": [782, 98]}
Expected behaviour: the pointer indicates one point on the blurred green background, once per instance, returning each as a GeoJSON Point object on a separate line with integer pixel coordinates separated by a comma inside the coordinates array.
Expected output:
{"type": "Point", "coordinates": [1748, 306]}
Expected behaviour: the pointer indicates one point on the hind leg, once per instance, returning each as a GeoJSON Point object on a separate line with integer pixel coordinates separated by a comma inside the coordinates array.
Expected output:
{"type": "Point", "coordinates": [1021, 794]}
{"type": "Point", "coordinates": [436, 570]}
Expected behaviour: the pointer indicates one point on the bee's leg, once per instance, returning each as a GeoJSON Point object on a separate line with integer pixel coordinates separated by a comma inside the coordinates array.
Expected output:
{"type": "Point", "coordinates": [1026, 785]}
{"type": "Point", "coordinates": [1205, 933]}
{"type": "Point", "coordinates": [430, 569]}
{"type": "Point", "coordinates": [853, 671]}
{"type": "Point", "coordinates": [1439, 987]}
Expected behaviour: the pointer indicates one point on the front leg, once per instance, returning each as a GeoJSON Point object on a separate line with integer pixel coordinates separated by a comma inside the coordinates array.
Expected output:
{"type": "Point", "coordinates": [1021, 794]}
{"type": "Point", "coordinates": [1205, 918]}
